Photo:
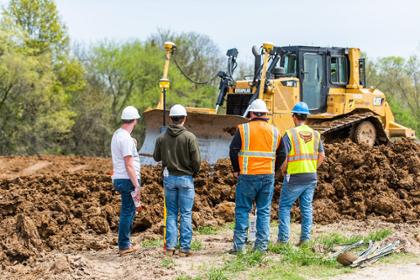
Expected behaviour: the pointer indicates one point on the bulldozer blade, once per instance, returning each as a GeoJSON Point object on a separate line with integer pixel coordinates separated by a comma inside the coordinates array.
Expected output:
{"type": "Point", "coordinates": [214, 133]}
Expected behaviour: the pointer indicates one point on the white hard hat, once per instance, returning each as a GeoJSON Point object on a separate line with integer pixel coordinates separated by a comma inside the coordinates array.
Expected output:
{"type": "Point", "coordinates": [258, 106]}
{"type": "Point", "coordinates": [130, 113]}
{"type": "Point", "coordinates": [178, 111]}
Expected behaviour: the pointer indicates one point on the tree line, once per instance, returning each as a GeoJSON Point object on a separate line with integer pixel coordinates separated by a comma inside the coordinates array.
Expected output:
{"type": "Point", "coordinates": [63, 99]}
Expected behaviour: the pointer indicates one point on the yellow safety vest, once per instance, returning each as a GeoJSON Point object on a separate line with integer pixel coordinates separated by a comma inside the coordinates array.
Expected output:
{"type": "Point", "coordinates": [260, 141]}
{"type": "Point", "coordinates": [303, 156]}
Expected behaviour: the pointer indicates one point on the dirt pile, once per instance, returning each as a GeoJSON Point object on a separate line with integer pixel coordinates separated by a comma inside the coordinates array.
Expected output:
{"type": "Point", "coordinates": [79, 211]}
{"type": "Point", "coordinates": [76, 208]}
{"type": "Point", "coordinates": [363, 183]}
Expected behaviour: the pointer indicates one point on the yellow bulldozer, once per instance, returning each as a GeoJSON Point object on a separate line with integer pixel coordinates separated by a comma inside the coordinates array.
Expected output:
{"type": "Point", "coordinates": [332, 81]}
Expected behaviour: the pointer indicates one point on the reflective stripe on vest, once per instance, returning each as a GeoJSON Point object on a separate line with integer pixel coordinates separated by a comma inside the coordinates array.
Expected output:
{"type": "Point", "coordinates": [247, 140]}
{"type": "Point", "coordinates": [258, 156]}
{"type": "Point", "coordinates": [303, 156]}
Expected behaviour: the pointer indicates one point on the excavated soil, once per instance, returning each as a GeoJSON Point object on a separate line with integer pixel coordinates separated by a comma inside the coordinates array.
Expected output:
{"type": "Point", "coordinates": [69, 204]}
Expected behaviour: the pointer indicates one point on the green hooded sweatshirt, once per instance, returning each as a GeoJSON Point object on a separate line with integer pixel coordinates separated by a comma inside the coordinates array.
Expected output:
{"type": "Point", "coordinates": [178, 150]}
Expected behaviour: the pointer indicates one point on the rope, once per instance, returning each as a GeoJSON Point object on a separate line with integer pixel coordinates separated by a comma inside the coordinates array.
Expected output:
{"type": "Point", "coordinates": [190, 79]}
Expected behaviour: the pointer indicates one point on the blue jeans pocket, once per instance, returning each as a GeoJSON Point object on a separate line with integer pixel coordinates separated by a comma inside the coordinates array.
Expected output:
{"type": "Point", "coordinates": [123, 185]}
{"type": "Point", "coordinates": [188, 182]}
{"type": "Point", "coordinates": [118, 185]}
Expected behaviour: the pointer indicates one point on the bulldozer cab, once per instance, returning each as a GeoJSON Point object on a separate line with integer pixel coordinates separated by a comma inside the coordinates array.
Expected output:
{"type": "Point", "coordinates": [318, 70]}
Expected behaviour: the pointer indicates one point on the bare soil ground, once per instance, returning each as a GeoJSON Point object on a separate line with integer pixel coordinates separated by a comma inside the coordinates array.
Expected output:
{"type": "Point", "coordinates": [63, 211]}
{"type": "Point", "coordinates": [150, 262]}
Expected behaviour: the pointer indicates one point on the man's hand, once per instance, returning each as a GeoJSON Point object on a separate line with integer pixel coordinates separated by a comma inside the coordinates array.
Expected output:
{"type": "Point", "coordinates": [236, 174]}
{"type": "Point", "coordinates": [321, 157]}
{"type": "Point", "coordinates": [283, 168]}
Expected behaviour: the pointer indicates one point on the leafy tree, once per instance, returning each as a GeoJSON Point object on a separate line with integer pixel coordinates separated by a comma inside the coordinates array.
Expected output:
{"type": "Point", "coordinates": [91, 133]}
{"type": "Point", "coordinates": [39, 19]}
{"type": "Point", "coordinates": [37, 78]}
{"type": "Point", "coordinates": [399, 79]}
{"type": "Point", "coordinates": [130, 73]}
{"type": "Point", "coordinates": [34, 118]}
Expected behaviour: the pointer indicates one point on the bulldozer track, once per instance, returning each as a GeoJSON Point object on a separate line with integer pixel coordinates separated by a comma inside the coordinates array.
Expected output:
{"type": "Point", "coordinates": [329, 126]}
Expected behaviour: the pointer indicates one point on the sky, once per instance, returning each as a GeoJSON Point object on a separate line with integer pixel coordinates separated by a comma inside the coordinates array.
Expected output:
{"type": "Point", "coordinates": [379, 28]}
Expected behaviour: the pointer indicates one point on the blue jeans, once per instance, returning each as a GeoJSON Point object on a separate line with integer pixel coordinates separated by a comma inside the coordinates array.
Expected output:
{"type": "Point", "coordinates": [289, 194]}
{"type": "Point", "coordinates": [179, 196]}
{"type": "Point", "coordinates": [127, 212]}
{"type": "Point", "coordinates": [250, 188]}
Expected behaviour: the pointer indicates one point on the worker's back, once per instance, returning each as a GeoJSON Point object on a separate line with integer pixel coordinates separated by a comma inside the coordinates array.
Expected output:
{"type": "Point", "coordinates": [178, 150]}
{"type": "Point", "coordinates": [259, 144]}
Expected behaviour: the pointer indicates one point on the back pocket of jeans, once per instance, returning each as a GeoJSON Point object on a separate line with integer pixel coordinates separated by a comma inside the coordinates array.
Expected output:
{"type": "Point", "coordinates": [118, 185]}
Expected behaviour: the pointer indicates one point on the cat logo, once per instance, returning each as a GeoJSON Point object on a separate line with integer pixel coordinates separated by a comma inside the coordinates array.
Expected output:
{"type": "Point", "coordinates": [306, 136]}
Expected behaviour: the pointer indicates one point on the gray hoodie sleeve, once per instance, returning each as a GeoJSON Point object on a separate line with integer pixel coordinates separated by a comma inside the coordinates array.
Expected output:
{"type": "Point", "coordinates": [195, 155]}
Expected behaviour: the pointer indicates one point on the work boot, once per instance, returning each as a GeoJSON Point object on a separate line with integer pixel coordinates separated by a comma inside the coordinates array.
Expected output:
{"type": "Point", "coordinates": [236, 252]}
{"type": "Point", "coordinates": [303, 243]}
{"type": "Point", "coordinates": [170, 252]}
{"type": "Point", "coordinates": [260, 251]}
{"type": "Point", "coordinates": [129, 250]}
{"type": "Point", "coordinates": [185, 253]}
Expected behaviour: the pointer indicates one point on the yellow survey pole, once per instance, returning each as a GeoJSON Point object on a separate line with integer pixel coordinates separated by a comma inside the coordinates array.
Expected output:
{"type": "Point", "coordinates": [164, 85]}
{"type": "Point", "coordinates": [169, 48]}
{"type": "Point", "coordinates": [267, 47]}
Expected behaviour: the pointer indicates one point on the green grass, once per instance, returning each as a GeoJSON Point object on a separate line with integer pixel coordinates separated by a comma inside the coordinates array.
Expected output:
{"type": "Point", "coordinates": [236, 264]}
{"type": "Point", "coordinates": [400, 258]}
{"type": "Point", "coordinates": [153, 243]}
{"type": "Point", "coordinates": [379, 235]}
{"type": "Point", "coordinates": [216, 274]}
{"type": "Point", "coordinates": [290, 262]}
{"type": "Point", "coordinates": [196, 245]}
{"type": "Point", "coordinates": [167, 262]}
{"type": "Point", "coordinates": [207, 230]}
{"type": "Point", "coordinates": [243, 261]}
{"type": "Point", "coordinates": [302, 256]}
{"type": "Point", "coordinates": [332, 239]}
{"type": "Point", "coordinates": [230, 226]}
{"type": "Point", "coordinates": [186, 277]}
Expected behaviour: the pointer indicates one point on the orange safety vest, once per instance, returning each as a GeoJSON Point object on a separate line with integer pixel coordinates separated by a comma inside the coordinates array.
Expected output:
{"type": "Point", "coordinates": [260, 141]}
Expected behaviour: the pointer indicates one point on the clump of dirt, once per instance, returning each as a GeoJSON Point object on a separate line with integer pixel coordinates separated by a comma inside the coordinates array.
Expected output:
{"type": "Point", "coordinates": [78, 210]}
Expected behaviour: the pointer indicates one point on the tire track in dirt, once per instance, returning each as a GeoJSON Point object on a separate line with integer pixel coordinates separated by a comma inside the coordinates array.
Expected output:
{"type": "Point", "coordinates": [30, 170]}
{"type": "Point", "coordinates": [76, 168]}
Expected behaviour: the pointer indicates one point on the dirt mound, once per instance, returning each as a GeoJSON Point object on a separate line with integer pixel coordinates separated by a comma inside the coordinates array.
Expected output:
{"type": "Point", "coordinates": [361, 183]}
{"type": "Point", "coordinates": [78, 210]}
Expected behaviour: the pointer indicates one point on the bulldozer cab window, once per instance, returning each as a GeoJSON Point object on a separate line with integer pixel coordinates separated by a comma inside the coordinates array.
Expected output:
{"type": "Point", "coordinates": [338, 70]}
{"type": "Point", "coordinates": [289, 64]}
{"type": "Point", "coordinates": [313, 80]}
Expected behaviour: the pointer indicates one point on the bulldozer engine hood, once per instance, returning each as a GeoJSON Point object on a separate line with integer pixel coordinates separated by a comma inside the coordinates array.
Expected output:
{"type": "Point", "coordinates": [175, 130]}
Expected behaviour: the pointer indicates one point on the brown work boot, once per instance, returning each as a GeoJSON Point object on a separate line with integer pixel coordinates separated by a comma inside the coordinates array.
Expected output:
{"type": "Point", "coordinates": [170, 252]}
{"type": "Point", "coordinates": [129, 250]}
{"type": "Point", "coordinates": [185, 253]}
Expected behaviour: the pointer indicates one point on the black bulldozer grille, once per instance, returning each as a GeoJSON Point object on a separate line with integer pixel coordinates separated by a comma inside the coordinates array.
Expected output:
{"type": "Point", "coordinates": [237, 103]}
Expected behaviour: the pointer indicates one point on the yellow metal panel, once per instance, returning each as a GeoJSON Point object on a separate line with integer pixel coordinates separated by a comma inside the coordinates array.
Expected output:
{"type": "Point", "coordinates": [336, 101]}
{"type": "Point", "coordinates": [354, 80]}
{"type": "Point", "coordinates": [283, 99]}
{"type": "Point", "coordinates": [201, 110]}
